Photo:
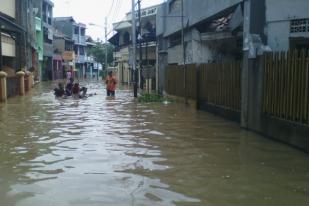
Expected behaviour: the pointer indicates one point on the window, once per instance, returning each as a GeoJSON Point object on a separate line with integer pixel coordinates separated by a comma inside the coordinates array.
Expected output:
{"type": "Point", "coordinates": [126, 38]}
{"type": "Point", "coordinates": [76, 30]}
{"type": "Point", "coordinates": [76, 49]}
{"type": "Point", "coordinates": [83, 32]}
{"type": "Point", "coordinates": [174, 5]}
{"type": "Point", "coordinates": [81, 51]}
{"type": "Point", "coordinates": [299, 26]}
{"type": "Point", "coordinates": [47, 36]}
{"type": "Point", "coordinates": [175, 40]}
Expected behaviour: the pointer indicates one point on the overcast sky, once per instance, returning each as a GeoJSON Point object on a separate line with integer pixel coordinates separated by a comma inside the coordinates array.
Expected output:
{"type": "Point", "coordinates": [94, 11]}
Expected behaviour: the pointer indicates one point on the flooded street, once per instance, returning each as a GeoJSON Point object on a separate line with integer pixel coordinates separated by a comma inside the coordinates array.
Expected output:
{"type": "Point", "coordinates": [103, 151]}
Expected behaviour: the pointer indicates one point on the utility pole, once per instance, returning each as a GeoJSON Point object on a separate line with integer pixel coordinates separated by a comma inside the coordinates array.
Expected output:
{"type": "Point", "coordinates": [134, 48]}
{"type": "Point", "coordinates": [106, 43]}
{"type": "Point", "coordinates": [183, 51]}
{"type": "Point", "coordinates": [140, 44]}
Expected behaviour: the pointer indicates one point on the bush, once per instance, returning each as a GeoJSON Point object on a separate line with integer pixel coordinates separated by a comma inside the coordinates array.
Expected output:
{"type": "Point", "coordinates": [150, 98]}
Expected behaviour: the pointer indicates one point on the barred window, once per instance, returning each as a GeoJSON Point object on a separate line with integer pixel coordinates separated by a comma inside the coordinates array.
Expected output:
{"type": "Point", "coordinates": [299, 26]}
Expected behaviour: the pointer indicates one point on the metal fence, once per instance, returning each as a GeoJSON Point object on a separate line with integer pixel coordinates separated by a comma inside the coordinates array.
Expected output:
{"type": "Point", "coordinates": [286, 86]}
{"type": "Point", "coordinates": [217, 84]}
{"type": "Point", "coordinates": [220, 84]}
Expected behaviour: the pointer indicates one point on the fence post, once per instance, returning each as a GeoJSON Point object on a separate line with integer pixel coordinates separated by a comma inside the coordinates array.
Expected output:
{"type": "Point", "coordinates": [21, 76]}
{"type": "Point", "coordinates": [3, 92]}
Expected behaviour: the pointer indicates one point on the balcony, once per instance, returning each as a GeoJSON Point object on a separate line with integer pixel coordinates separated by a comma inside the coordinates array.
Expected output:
{"type": "Point", "coordinates": [81, 40]}
{"type": "Point", "coordinates": [81, 59]}
{"type": "Point", "coordinates": [38, 24]}
{"type": "Point", "coordinates": [75, 38]}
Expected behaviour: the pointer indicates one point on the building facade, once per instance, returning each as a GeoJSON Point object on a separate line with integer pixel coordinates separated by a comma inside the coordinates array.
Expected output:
{"type": "Point", "coordinates": [287, 24]}
{"type": "Point", "coordinates": [39, 41]}
{"type": "Point", "coordinates": [146, 46]}
{"type": "Point", "coordinates": [10, 48]}
{"type": "Point", "coordinates": [47, 16]}
{"type": "Point", "coordinates": [18, 35]}
{"type": "Point", "coordinates": [64, 57]}
{"type": "Point", "coordinates": [76, 32]}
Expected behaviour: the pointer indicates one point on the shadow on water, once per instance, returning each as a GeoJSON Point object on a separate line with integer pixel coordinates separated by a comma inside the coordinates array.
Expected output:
{"type": "Point", "coordinates": [114, 151]}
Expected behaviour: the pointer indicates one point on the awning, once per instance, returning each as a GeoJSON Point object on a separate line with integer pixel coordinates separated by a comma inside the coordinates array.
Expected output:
{"type": "Point", "coordinates": [9, 26]}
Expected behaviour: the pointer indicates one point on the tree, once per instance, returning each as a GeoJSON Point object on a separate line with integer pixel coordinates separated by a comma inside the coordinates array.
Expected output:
{"type": "Point", "coordinates": [99, 50]}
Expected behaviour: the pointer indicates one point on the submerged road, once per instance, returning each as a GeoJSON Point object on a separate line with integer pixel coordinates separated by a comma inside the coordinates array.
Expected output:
{"type": "Point", "coordinates": [102, 151]}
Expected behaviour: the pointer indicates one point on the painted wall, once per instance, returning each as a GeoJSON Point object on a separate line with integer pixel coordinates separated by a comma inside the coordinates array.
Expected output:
{"type": "Point", "coordinates": [278, 18]}
{"type": "Point", "coordinates": [8, 7]}
{"type": "Point", "coordinates": [175, 55]}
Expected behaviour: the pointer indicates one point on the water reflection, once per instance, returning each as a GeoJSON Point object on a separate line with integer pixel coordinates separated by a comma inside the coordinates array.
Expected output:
{"type": "Point", "coordinates": [103, 151]}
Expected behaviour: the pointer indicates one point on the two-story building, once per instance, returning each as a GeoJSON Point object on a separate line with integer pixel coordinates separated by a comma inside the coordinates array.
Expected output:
{"type": "Point", "coordinates": [146, 48]}
{"type": "Point", "coordinates": [64, 56]}
{"type": "Point", "coordinates": [76, 32]}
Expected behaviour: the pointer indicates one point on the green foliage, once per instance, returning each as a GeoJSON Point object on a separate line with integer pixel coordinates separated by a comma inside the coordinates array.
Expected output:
{"type": "Point", "coordinates": [99, 50]}
{"type": "Point", "coordinates": [150, 98]}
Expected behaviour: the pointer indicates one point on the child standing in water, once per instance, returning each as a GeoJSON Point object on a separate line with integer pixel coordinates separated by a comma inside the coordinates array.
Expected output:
{"type": "Point", "coordinates": [110, 84]}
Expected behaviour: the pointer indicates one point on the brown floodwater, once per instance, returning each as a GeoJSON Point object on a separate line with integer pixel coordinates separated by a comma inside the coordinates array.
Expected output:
{"type": "Point", "coordinates": [102, 151]}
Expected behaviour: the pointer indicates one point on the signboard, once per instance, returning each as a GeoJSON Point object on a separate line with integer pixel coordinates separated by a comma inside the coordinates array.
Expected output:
{"type": "Point", "coordinates": [68, 56]}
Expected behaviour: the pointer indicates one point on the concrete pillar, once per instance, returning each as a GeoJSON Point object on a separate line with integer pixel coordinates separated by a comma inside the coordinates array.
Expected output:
{"type": "Point", "coordinates": [21, 76]}
{"type": "Point", "coordinates": [254, 23]}
{"type": "Point", "coordinates": [3, 92]}
{"type": "Point", "coordinates": [148, 85]}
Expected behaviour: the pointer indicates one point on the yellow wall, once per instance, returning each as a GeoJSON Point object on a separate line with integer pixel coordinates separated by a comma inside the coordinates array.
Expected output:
{"type": "Point", "coordinates": [8, 46]}
{"type": "Point", "coordinates": [8, 7]}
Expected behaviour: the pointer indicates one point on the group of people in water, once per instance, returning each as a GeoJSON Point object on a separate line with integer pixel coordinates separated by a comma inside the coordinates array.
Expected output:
{"type": "Point", "coordinates": [74, 90]}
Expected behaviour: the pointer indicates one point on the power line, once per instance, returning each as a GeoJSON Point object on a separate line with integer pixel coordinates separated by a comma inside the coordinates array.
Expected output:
{"type": "Point", "coordinates": [120, 22]}
{"type": "Point", "coordinates": [111, 8]}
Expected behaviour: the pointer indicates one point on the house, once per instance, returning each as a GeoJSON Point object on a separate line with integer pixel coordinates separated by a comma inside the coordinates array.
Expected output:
{"type": "Point", "coordinates": [76, 31]}
{"type": "Point", "coordinates": [287, 24]}
{"type": "Point", "coordinates": [64, 56]}
{"type": "Point", "coordinates": [212, 33]}
{"type": "Point", "coordinates": [146, 47]}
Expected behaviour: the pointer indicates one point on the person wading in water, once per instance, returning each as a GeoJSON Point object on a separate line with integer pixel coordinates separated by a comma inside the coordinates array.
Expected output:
{"type": "Point", "coordinates": [110, 84]}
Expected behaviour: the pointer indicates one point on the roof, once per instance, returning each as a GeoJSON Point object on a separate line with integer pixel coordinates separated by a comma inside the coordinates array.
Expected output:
{"type": "Point", "coordinates": [114, 39]}
{"type": "Point", "coordinates": [8, 25]}
{"type": "Point", "coordinates": [67, 18]}
{"type": "Point", "coordinates": [122, 25]}
{"type": "Point", "coordinates": [60, 35]}
{"type": "Point", "coordinates": [49, 2]}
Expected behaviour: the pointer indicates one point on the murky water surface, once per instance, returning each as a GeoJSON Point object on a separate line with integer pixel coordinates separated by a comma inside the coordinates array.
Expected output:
{"type": "Point", "coordinates": [103, 151]}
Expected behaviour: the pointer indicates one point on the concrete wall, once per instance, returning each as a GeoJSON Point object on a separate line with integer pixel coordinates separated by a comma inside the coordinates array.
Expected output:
{"type": "Point", "coordinates": [59, 44]}
{"type": "Point", "coordinates": [65, 27]}
{"type": "Point", "coordinates": [8, 7]}
{"type": "Point", "coordinates": [278, 16]}
{"type": "Point", "coordinates": [175, 55]}
{"type": "Point", "coordinates": [194, 12]}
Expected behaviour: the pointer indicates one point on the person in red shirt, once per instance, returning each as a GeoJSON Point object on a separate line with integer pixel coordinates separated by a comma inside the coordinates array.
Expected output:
{"type": "Point", "coordinates": [110, 84]}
